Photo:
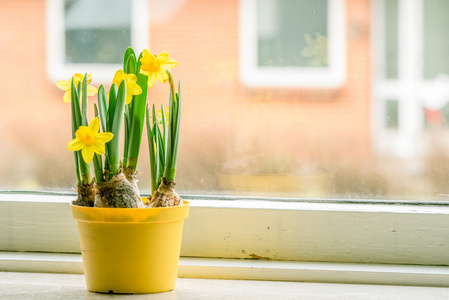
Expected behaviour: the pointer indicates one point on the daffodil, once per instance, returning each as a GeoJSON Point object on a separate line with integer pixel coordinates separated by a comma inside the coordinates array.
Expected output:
{"type": "Point", "coordinates": [132, 88]}
{"type": "Point", "coordinates": [66, 85]}
{"type": "Point", "coordinates": [90, 141]}
{"type": "Point", "coordinates": [155, 66]}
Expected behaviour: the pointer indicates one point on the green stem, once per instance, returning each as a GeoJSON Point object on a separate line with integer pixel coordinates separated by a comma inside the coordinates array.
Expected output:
{"type": "Point", "coordinates": [77, 168]}
{"type": "Point", "coordinates": [86, 177]}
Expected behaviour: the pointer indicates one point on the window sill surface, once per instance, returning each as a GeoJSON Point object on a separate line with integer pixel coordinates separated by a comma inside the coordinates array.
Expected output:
{"type": "Point", "coordinates": [72, 286]}
{"type": "Point", "coordinates": [252, 269]}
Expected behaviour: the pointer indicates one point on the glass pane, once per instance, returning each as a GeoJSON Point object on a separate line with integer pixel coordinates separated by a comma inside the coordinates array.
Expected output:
{"type": "Point", "coordinates": [266, 142]}
{"type": "Point", "coordinates": [105, 30]}
{"type": "Point", "coordinates": [392, 113]}
{"type": "Point", "coordinates": [292, 33]}
{"type": "Point", "coordinates": [436, 39]}
{"type": "Point", "coordinates": [391, 39]}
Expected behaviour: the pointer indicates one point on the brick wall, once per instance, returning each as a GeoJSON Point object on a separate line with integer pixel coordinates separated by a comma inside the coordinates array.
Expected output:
{"type": "Point", "coordinates": [222, 120]}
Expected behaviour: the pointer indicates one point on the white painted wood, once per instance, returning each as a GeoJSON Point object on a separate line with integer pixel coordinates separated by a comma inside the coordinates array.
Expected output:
{"type": "Point", "coordinates": [250, 269]}
{"type": "Point", "coordinates": [411, 119]}
{"type": "Point", "coordinates": [411, 89]}
{"type": "Point", "coordinates": [325, 232]}
{"type": "Point", "coordinates": [69, 286]}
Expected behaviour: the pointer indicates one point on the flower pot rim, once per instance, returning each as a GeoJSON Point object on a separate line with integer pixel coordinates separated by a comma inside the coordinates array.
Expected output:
{"type": "Point", "coordinates": [130, 215]}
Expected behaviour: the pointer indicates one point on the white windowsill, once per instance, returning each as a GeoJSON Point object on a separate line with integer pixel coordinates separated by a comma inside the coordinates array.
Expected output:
{"type": "Point", "coordinates": [362, 242]}
{"type": "Point", "coordinates": [69, 286]}
{"type": "Point", "coordinates": [266, 270]}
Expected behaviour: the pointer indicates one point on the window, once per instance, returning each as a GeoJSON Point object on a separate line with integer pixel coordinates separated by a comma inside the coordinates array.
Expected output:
{"type": "Point", "coordinates": [95, 44]}
{"type": "Point", "coordinates": [412, 83]}
{"type": "Point", "coordinates": [277, 145]}
{"type": "Point", "coordinates": [292, 43]}
{"type": "Point", "coordinates": [297, 141]}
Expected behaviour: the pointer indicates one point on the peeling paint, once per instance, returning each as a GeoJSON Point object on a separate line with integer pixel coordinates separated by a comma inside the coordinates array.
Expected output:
{"type": "Point", "coordinates": [255, 256]}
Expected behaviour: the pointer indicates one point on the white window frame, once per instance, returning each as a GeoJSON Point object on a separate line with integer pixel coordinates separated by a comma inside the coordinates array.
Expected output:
{"type": "Point", "coordinates": [365, 241]}
{"type": "Point", "coordinates": [333, 76]}
{"type": "Point", "coordinates": [412, 91]}
{"type": "Point", "coordinates": [57, 69]}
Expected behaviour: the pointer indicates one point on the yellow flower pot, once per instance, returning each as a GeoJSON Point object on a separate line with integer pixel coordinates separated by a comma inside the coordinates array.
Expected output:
{"type": "Point", "coordinates": [130, 250]}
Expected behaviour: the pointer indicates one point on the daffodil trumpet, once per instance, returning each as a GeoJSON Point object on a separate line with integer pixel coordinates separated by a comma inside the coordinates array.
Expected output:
{"type": "Point", "coordinates": [164, 151]}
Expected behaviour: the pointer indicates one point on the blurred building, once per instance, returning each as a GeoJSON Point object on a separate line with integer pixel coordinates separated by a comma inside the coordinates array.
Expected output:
{"type": "Point", "coordinates": [268, 86]}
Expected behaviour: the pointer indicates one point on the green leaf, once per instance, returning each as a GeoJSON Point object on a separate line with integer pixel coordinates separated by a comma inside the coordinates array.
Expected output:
{"type": "Point", "coordinates": [76, 123]}
{"type": "Point", "coordinates": [131, 65]}
{"type": "Point", "coordinates": [173, 135]}
{"type": "Point", "coordinates": [177, 126]}
{"type": "Point", "coordinates": [98, 168]}
{"type": "Point", "coordinates": [129, 51]}
{"type": "Point", "coordinates": [126, 141]}
{"type": "Point", "coordinates": [112, 103]}
{"type": "Point", "coordinates": [164, 124]}
{"type": "Point", "coordinates": [96, 110]}
{"type": "Point", "coordinates": [116, 124]}
{"type": "Point", "coordinates": [85, 172]}
{"type": "Point", "coordinates": [75, 105]}
{"type": "Point", "coordinates": [98, 161]}
{"type": "Point", "coordinates": [137, 118]}
{"type": "Point", "coordinates": [84, 102]}
{"type": "Point", "coordinates": [103, 107]}
{"type": "Point", "coordinates": [151, 146]}
{"type": "Point", "coordinates": [160, 142]}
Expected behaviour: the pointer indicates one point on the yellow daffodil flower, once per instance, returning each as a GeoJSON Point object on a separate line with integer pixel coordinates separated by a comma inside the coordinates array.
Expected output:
{"type": "Point", "coordinates": [90, 141]}
{"type": "Point", "coordinates": [155, 66]}
{"type": "Point", "coordinates": [66, 85]}
{"type": "Point", "coordinates": [132, 88]}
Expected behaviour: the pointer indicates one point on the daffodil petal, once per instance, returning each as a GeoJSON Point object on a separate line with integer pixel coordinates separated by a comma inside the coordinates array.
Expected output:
{"type": "Point", "coordinates": [118, 77]}
{"type": "Point", "coordinates": [151, 80]}
{"type": "Point", "coordinates": [144, 72]}
{"type": "Point", "coordinates": [64, 85]}
{"type": "Point", "coordinates": [99, 148]}
{"type": "Point", "coordinates": [162, 75]}
{"type": "Point", "coordinates": [89, 78]}
{"type": "Point", "coordinates": [134, 89]}
{"type": "Point", "coordinates": [104, 137]}
{"type": "Point", "coordinates": [129, 97]}
{"type": "Point", "coordinates": [165, 62]}
{"type": "Point", "coordinates": [67, 96]}
{"type": "Point", "coordinates": [169, 63]}
{"type": "Point", "coordinates": [88, 153]}
{"type": "Point", "coordinates": [162, 55]}
{"type": "Point", "coordinates": [147, 53]}
{"type": "Point", "coordinates": [91, 90]}
{"type": "Point", "coordinates": [94, 125]}
{"type": "Point", "coordinates": [75, 145]}
{"type": "Point", "coordinates": [131, 78]}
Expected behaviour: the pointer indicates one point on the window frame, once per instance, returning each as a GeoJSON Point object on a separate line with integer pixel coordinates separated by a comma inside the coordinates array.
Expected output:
{"type": "Point", "coordinates": [410, 88]}
{"type": "Point", "coordinates": [295, 77]}
{"type": "Point", "coordinates": [334, 231]}
{"type": "Point", "coordinates": [57, 69]}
